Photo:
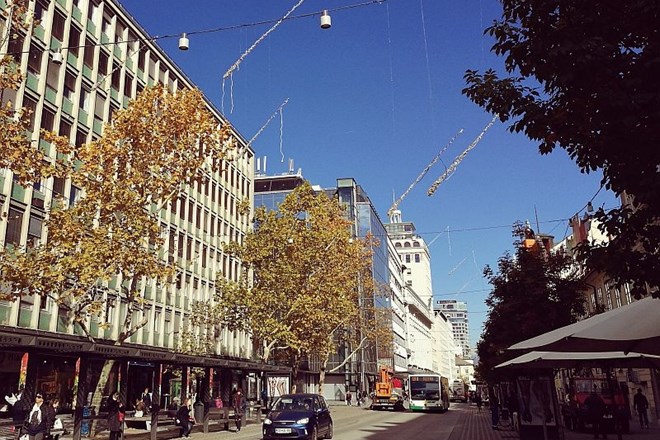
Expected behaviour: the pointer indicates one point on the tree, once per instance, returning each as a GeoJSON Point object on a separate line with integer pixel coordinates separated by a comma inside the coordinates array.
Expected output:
{"type": "Point", "coordinates": [153, 149]}
{"type": "Point", "coordinates": [309, 278]}
{"type": "Point", "coordinates": [532, 292]}
{"type": "Point", "coordinates": [18, 151]}
{"type": "Point", "coordinates": [581, 79]}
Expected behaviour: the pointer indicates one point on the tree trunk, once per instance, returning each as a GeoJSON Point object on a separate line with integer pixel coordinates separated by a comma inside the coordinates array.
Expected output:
{"type": "Point", "coordinates": [97, 397]}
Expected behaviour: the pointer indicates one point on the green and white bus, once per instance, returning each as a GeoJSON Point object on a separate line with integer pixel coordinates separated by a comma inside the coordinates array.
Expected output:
{"type": "Point", "coordinates": [428, 392]}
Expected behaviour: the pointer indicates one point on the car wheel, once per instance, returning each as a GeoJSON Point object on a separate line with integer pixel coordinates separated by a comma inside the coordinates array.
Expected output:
{"type": "Point", "coordinates": [330, 432]}
{"type": "Point", "coordinates": [315, 434]}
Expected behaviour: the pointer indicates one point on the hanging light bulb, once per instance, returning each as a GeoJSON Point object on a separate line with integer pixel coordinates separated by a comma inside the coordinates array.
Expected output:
{"type": "Point", "coordinates": [326, 20]}
{"type": "Point", "coordinates": [590, 207]}
{"type": "Point", "coordinates": [184, 43]}
{"type": "Point", "coordinates": [57, 57]}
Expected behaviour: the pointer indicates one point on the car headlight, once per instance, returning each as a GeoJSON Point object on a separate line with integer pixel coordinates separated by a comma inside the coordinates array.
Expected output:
{"type": "Point", "coordinates": [303, 421]}
{"type": "Point", "coordinates": [267, 421]}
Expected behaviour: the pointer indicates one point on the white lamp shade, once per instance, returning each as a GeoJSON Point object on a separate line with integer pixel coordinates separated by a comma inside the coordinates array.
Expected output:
{"type": "Point", "coordinates": [57, 57]}
{"type": "Point", "coordinates": [326, 20]}
{"type": "Point", "coordinates": [184, 43]}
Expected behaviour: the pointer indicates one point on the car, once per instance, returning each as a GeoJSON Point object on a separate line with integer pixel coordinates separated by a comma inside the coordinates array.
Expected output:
{"type": "Point", "coordinates": [298, 416]}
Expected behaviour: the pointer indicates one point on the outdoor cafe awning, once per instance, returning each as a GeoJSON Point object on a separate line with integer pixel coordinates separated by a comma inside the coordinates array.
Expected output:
{"type": "Point", "coordinates": [632, 328]}
{"type": "Point", "coordinates": [547, 360]}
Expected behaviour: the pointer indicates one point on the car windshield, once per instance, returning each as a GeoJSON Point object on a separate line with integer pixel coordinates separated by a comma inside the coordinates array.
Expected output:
{"type": "Point", "coordinates": [293, 403]}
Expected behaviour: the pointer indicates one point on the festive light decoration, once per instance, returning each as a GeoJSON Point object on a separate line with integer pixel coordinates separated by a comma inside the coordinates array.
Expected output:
{"type": "Point", "coordinates": [450, 170]}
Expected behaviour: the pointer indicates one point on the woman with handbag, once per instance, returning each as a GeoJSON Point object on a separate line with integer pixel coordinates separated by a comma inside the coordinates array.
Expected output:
{"type": "Point", "coordinates": [36, 422]}
{"type": "Point", "coordinates": [116, 416]}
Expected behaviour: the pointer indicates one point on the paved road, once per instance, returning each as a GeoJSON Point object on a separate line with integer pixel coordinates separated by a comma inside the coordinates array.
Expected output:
{"type": "Point", "coordinates": [461, 422]}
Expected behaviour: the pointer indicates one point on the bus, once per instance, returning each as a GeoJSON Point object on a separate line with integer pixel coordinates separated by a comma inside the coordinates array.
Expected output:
{"type": "Point", "coordinates": [428, 392]}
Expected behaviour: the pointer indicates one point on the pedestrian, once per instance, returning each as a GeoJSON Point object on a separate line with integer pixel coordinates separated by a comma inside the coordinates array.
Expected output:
{"type": "Point", "coordinates": [55, 427]}
{"type": "Point", "coordinates": [116, 414]}
{"type": "Point", "coordinates": [595, 411]}
{"type": "Point", "coordinates": [348, 398]}
{"type": "Point", "coordinates": [358, 399]}
{"type": "Point", "coordinates": [494, 409]}
{"type": "Point", "coordinates": [36, 422]}
{"type": "Point", "coordinates": [478, 400]}
{"type": "Point", "coordinates": [185, 419]}
{"type": "Point", "coordinates": [264, 398]}
{"type": "Point", "coordinates": [239, 405]}
{"type": "Point", "coordinates": [641, 404]}
{"type": "Point", "coordinates": [147, 400]}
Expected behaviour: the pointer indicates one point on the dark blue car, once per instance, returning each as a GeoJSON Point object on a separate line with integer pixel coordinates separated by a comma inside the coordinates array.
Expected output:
{"type": "Point", "coordinates": [298, 416]}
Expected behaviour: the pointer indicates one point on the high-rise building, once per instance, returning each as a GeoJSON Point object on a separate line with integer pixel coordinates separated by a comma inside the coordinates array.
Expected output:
{"type": "Point", "coordinates": [457, 312]}
{"type": "Point", "coordinates": [83, 60]}
{"type": "Point", "coordinates": [414, 258]}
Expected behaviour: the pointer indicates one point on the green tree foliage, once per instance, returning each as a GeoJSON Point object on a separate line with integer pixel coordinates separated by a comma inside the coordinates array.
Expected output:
{"type": "Point", "coordinates": [533, 291]}
{"type": "Point", "coordinates": [582, 76]}
{"type": "Point", "coordinates": [308, 277]}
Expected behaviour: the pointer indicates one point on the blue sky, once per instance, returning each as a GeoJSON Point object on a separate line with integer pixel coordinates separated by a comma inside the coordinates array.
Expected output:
{"type": "Point", "coordinates": [376, 97]}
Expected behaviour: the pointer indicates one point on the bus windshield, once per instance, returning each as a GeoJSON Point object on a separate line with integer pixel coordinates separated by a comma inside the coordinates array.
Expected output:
{"type": "Point", "coordinates": [424, 387]}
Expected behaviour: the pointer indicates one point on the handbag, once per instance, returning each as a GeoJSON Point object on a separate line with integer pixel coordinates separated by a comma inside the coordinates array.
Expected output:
{"type": "Point", "coordinates": [24, 437]}
{"type": "Point", "coordinates": [121, 416]}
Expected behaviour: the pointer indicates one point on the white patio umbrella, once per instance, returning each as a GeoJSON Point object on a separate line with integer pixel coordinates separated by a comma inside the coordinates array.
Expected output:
{"type": "Point", "coordinates": [553, 359]}
{"type": "Point", "coordinates": [632, 328]}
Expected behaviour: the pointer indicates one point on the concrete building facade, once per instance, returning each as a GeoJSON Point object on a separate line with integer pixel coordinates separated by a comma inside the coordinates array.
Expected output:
{"type": "Point", "coordinates": [106, 60]}
{"type": "Point", "coordinates": [457, 312]}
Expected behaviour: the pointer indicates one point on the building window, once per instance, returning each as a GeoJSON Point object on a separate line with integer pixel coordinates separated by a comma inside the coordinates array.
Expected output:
{"type": "Point", "coordinates": [58, 186]}
{"type": "Point", "coordinates": [103, 63]}
{"type": "Point", "coordinates": [85, 97]}
{"type": "Point", "coordinates": [41, 11]}
{"type": "Point", "coordinates": [14, 225]}
{"type": "Point", "coordinates": [128, 85]}
{"type": "Point", "coordinates": [89, 53]}
{"type": "Point", "coordinates": [34, 59]}
{"type": "Point", "coordinates": [74, 41]}
{"type": "Point", "coordinates": [34, 229]}
{"type": "Point", "coordinates": [53, 76]}
{"type": "Point", "coordinates": [141, 58]}
{"type": "Point", "coordinates": [58, 26]}
{"type": "Point", "coordinates": [47, 119]}
{"type": "Point", "coordinates": [15, 48]}
{"type": "Point", "coordinates": [81, 138]}
{"type": "Point", "coordinates": [116, 76]}
{"type": "Point", "coordinates": [65, 128]}
{"type": "Point", "coordinates": [69, 85]}
{"type": "Point", "coordinates": [74, 195]}
{"type": "Point", "coordinates": [407, 258]}
{"type": "Point", "coordinates": [417, 258]}
{"type": "Point", "coordinates": [30, 104]}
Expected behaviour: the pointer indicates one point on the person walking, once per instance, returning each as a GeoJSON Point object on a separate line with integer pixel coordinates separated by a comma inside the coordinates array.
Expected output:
{"type": "Point", "coordinates": [37, 422]}
{"type": "Point", "coordinates": [477, 399]}
{"type": "Point", "coordinates": [116, 416]}
{"type": "Point", "coordinates": [55, 427]}
{"type": "Point", "coordinates": [185, 419]}
{"type": "Point", "coordinates": [239, 405]}
{"type": "Point", "coordinates": [641, 404]}
{"type": "Point", "coordinates": [494, 409]}
{"type": "Point", "coordinates": [595, 411]}
{"type": "Point", "coordinates": [349, 397]}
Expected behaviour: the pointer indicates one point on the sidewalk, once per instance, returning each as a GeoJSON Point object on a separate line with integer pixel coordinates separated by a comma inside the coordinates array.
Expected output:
{"type": "Point", "coordinates": [475, 425]}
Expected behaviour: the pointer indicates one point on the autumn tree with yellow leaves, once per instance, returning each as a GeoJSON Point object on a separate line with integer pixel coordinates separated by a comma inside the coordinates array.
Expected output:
{"type": "Point", "coordinates": [154, 149]}
{"type": "Point", "coordinates": [306, 284]}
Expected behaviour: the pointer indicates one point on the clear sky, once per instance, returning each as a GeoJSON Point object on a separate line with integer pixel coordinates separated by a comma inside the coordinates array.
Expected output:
{"type": "Point", "coordinates": [376, 97]}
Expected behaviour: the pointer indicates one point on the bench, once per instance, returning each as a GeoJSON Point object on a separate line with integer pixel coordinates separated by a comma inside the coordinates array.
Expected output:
{"type": "Point", "coordinates": [218, 416]}
{"type": "Point", "coordinates": [164, 419]}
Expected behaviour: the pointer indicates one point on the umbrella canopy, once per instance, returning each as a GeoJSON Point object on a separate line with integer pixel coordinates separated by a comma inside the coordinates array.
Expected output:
{"type": "Point", "coordinates": [553, 359]}
{"type": "Point", "coordinates": [634, 327]}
